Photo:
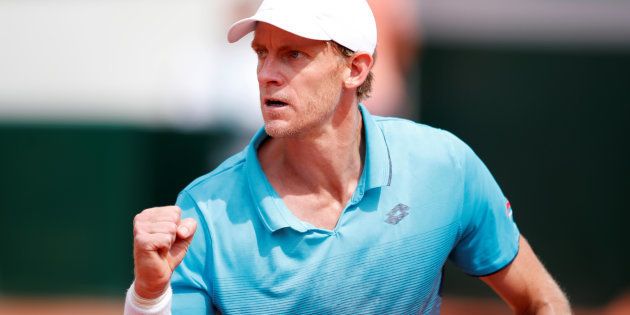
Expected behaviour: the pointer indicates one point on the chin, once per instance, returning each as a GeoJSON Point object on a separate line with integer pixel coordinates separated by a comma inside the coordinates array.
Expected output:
{"type": "Point", "coordinates": [276, 129]}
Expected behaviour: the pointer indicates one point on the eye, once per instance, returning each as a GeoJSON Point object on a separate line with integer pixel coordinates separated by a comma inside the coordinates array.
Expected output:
{"type": "Point", "coordinates": [294, 54]}
{"type": "Point", "coordinates": [260, 52]}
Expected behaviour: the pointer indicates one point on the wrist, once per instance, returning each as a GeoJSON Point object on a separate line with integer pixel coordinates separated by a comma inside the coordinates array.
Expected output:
{"type": "Point", "coordinates": [148, 302]}
{"type": "Point", "coordinates": [149, 292]}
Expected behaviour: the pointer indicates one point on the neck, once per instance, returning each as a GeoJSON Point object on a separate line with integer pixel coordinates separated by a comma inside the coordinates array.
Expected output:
{"type": "Point", "coordinates": [325, 161]}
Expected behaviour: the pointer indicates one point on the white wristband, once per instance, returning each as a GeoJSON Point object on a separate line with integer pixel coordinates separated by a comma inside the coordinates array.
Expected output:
{"type": "Point", "coordinates": [136, 305]}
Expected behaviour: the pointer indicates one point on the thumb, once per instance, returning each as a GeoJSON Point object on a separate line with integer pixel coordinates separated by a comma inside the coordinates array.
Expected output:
{"type": "Point", "coordinates": [185, 233]}
{"type": "Point", "coordinates": [186, 228]}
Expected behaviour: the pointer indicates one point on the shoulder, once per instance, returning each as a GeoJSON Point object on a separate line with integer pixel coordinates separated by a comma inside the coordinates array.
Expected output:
{"type": "Point", "coordinates": [418, 139]}
{"type": "Point", "coordinates": [408, 130]}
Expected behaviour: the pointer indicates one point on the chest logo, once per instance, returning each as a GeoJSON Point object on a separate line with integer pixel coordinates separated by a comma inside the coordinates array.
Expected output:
{"type": "Point", "coordinates": [399, 212]}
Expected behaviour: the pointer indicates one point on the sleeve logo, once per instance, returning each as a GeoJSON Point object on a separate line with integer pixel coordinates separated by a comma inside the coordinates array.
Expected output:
{"type": "Point", "coordinates": [508, 209]}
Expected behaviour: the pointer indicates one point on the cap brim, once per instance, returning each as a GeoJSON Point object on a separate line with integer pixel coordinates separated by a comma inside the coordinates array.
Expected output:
{"type": "Point", "coordinates": [241, 28]}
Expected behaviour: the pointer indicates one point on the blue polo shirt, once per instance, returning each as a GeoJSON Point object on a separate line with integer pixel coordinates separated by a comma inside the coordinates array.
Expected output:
{"type": "Point", "coordinates": [423, 197]}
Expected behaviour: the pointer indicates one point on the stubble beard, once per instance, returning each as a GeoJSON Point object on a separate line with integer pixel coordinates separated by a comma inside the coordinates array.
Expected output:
{"type": "Point", "coordinates": [306, 121]}
{"type": "Point", "coordinates": [316, 112]}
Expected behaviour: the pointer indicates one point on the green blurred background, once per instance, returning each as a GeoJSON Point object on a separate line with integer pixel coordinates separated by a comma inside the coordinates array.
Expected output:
{"type": "Point", "coordinates": [551, 122]}
{"type": "Point", "coordinates": [553, 128]}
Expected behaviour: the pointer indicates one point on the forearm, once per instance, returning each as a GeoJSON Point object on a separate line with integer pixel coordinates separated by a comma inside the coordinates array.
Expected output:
{"type": "Point", "coordinates": [554, 303]}
{"type": "Point", "coordinates": [527, 287]}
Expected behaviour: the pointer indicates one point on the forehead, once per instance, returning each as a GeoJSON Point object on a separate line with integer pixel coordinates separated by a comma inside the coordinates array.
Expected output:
{"type": "Point", "coordinates": [268, 35]}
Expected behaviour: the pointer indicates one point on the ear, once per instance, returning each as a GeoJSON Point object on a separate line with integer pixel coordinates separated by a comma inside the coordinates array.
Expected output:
{"type": "Point", "coordinates": [360, 65]}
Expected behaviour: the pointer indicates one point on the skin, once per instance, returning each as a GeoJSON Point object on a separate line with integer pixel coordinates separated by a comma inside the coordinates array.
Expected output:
{"type": "Point", "coordinates": [527, 287]}
{"type": "Point", "coordinates": [314, 160]}
{"type": "Point", "coordinates": [160, 241]}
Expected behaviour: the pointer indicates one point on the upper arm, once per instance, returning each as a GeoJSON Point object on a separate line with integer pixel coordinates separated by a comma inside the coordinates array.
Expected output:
{"type": "Point", "coordinates": [189, 282]}
{"type": "Point", "coordinates": [491, 247]}
{"type": "Point", "coordinates": [488, 238]}
{"type": "Point", "coordinates": [526, 286]}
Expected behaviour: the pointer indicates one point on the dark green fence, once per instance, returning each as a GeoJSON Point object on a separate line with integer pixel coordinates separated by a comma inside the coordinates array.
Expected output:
{"type": "Point", "coordinates": [68, 195]}
{"type": "Point", "coordinates": [553, 127]}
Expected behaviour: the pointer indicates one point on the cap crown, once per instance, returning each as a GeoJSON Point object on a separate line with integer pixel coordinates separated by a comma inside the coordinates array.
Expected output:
{"type": "Point", "coordinates": [347, 22]}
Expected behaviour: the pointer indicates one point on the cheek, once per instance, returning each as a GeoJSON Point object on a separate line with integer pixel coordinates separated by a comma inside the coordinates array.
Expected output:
{"type": "Point", "coordinates": [317, 86]}
{"type": "Point", "coordinates": [331, 84]}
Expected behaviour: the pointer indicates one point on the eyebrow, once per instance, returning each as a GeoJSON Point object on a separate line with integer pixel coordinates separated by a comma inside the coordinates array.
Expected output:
{"type": "Point", "coordinates": [291, 46]}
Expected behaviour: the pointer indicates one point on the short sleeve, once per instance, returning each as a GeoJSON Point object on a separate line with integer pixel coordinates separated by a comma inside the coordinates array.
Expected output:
{"type": "Point", "coordinates": [489, 237]}
{"type": "Point", "coordinates": [191, 290]}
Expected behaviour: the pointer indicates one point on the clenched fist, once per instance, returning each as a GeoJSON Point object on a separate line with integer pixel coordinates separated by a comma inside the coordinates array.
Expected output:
{"type": "Point", "coordinates": [160, 241]}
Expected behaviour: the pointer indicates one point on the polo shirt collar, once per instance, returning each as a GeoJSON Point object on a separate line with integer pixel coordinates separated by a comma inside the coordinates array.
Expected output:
{"type": "Point", "coordinates": [272, 210]}
{"type": "Point", "coordinates": [378, 164]}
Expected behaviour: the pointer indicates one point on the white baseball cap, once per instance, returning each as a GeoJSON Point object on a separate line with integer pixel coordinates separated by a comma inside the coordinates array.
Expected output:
{"type": "Point", "coordinates": [350, 23]}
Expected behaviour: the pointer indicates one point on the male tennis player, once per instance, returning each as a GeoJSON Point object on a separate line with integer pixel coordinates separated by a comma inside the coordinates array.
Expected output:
{"type": "Point", "coordinates": [330, 210]}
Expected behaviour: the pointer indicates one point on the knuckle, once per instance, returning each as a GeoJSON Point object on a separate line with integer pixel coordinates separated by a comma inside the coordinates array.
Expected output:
{"type": "Point", "coordinates": [171, 227]}
{"type": "Point", "coordinates": [137, 218]}
{"type": "Point", "coordinates": [166, 212]}
{"type": "Point", "coordinates": [149, 242]}
{"type": "Point", "coordinates": [172, 208]}
{"type": "Point", "coordinates": [139, 227]}
{"type": "Point", "coordinates": [177, 211]}
{"type": "Point", "coordinates": [172, 217]}
{"type": "Point", "coordinates": [139, 240]}
{"type": "Point", "coordinates": [163, 240]}
{"type": "Point", "coordinates": [142, 216]}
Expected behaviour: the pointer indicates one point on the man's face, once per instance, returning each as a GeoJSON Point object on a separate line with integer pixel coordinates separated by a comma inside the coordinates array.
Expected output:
{"type": "Point", "coordinates": [300, 81]}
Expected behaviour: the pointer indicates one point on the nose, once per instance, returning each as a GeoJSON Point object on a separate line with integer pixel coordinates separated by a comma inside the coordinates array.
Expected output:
{"type": "Point", "coordinates": [269, 72]}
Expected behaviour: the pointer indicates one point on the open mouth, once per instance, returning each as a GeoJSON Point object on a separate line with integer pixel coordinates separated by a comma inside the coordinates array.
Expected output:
{"type": "Point", "coordinates": [275, 103]}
